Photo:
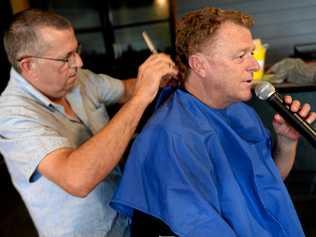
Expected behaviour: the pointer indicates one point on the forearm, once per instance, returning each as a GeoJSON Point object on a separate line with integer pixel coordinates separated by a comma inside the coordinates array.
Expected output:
{"type": "Point", "coordinates": [78, 171]}
{"type": "Point", "coordinates": [284, 155]}
{"type": "Point", "coordinates": [129, 89]}
{"type": "Point", "coordinates": [97, 157]}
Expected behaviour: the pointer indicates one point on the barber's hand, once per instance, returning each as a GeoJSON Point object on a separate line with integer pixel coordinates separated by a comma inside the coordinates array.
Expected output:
{"type": "Point", "coordinates": [283, 129]}
{"type": "Point", "coordinates": [151, 73]}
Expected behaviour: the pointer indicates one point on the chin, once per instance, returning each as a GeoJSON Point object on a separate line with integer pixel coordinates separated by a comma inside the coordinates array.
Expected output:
{"type": "Point", "coordinates": [71, 84]}
{"type": "Point", "coordinates": [247, 97]}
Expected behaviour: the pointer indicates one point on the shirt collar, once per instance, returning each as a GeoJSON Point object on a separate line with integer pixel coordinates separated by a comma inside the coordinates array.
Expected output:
{"type": "Point", "coordinates": [23, 84]}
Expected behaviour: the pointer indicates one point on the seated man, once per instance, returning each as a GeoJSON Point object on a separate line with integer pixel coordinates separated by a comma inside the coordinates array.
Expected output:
{"type": "Point", "coordinates": [204, 163]}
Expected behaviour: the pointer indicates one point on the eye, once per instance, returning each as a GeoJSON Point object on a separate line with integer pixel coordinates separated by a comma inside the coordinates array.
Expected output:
{"type": "Point", "coordinates": [68, 56]}
{"type": "Point", "coordinates": [240, 57]}
{"type": "Point", "coordinates": [242, 54]}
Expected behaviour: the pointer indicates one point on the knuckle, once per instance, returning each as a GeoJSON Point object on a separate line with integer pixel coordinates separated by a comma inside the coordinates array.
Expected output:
{"type": "Point", "coordinates": [296, 102]}
{"type": "Point", "coordinates": [307, 106]}
{"type": "Point", "coordinates": [141, 68]}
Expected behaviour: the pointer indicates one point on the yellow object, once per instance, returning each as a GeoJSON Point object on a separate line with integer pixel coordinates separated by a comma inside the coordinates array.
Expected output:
{"type": "Point", "coordinates": [259, 54]}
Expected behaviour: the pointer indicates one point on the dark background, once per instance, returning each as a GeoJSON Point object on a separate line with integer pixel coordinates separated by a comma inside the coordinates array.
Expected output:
{"type": "Point", "coordinates": [110, 32]}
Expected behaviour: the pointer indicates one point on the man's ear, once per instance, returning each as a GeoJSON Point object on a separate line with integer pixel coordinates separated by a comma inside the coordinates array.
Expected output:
{"type": "Point", "coordinates": [27, 67]}
{"type": "Point", "coordinates": [197, 64]}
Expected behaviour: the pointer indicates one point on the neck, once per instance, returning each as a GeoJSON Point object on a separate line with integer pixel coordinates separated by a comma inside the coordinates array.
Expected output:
{"type": "Point", "coordinates": [60, 101]}
{"type": "Point", "coordinates": [204, 93]}
{"type": "Point", "coordinates": [67, 107]}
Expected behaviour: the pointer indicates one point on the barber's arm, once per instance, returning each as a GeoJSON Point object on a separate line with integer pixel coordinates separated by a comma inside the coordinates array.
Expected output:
{"type": "Point", "coordinates": [129, 87]}
{"type": "Point", "coordinates": [287, 137]}
{"type": "Point", "coordinates": [79, 170]}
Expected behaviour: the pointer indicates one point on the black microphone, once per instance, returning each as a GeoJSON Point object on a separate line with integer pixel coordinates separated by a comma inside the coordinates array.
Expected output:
{"type": "Point", "coordinates": [265, 91]}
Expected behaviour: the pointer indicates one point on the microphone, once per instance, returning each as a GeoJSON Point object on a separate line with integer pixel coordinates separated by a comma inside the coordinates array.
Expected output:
{"type": "Point", "coordinates": [265, 91]}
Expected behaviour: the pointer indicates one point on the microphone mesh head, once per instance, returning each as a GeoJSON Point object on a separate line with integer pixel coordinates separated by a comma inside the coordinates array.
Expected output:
{"type": "Point", "coordinates": [264, 90]}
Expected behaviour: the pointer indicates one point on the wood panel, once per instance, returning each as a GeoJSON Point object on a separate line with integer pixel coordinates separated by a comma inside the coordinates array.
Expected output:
{"type": "Point", "coordinates": [282, 23]}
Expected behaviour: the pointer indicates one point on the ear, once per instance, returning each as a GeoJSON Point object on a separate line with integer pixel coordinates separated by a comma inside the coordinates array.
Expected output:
{"type": "Point", "coordinates": [198, 64]}
{"type": "Point", "coordinates": [28, 68]}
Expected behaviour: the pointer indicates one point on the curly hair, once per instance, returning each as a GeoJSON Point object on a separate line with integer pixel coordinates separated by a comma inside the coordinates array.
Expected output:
{"type": "Point", "coordinates": [197, 28]}
{"type": "Point", "coordinates": [22, 36]}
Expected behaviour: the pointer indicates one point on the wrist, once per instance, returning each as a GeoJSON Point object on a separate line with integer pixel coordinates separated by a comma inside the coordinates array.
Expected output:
{"type": "Point", "coordinates": [139, 101]}
{"type": "Point", "coordinates": [286, 144]}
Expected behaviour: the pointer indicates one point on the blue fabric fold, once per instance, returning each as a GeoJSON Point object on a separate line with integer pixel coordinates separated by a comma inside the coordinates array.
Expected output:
{"type": "Point", "coordinates": [207, 172]}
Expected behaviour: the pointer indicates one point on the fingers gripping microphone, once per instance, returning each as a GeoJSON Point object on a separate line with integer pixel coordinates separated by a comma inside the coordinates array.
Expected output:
{"type": "Point", "coordinates": [265, 91]}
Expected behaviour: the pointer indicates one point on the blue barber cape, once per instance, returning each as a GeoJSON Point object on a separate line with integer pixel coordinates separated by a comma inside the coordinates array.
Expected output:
{"type": "Point", "coordinates": [207, 172]}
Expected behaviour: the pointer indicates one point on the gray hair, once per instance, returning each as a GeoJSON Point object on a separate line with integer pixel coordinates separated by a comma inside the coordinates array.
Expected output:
{"type": "Point", "coordinates": [23, 38]}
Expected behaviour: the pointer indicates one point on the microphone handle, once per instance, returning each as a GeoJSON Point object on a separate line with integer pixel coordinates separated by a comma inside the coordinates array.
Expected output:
{"type": "Point", "coordinates": [294, 119]}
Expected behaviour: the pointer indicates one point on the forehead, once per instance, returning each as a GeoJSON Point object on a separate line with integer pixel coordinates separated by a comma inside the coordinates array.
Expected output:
{"type": "Point", "coordinates": [231, 36]}
{"type": "Point", "coordinates": [52, 34]}
{"type": "Point", "coordinates": [63, 40]}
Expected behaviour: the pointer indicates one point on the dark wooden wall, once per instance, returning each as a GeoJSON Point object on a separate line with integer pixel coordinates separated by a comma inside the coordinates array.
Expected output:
{"type": "Point", "coordinates": [5, 17]}
{"type": "Point", "coordinates": [280, 23]}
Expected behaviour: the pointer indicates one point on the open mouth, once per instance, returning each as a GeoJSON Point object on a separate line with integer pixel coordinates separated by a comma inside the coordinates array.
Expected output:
{"type": "Point", "coordinates": [249, 81]}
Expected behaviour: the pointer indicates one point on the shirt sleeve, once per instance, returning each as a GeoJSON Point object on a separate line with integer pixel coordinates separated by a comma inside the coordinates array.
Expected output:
{"type": "Point", "coordinates": [25, 141]}
{"type": "Point", "coordinates": [171, 177]}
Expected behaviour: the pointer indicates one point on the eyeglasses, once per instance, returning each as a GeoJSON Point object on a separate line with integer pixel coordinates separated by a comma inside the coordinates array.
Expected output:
{"type": "Point", "coordinates": [70, 59]}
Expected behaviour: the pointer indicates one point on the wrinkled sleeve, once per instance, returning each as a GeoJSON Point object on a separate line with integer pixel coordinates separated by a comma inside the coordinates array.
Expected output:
{"type": "Point", "coordinates": [170, 176]}
{"type": "Point", "coordinates": [24, 142]}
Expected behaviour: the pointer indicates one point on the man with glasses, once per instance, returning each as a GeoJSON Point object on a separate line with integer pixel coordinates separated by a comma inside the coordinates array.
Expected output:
{"type": "Point", "coordinates": [60, 147]}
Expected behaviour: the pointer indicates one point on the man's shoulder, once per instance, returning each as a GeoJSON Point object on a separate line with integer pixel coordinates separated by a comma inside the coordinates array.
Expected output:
{"type": "Point", "coordinates": [16, 100]}
{"type": "Point", "coordinates": [15, 107]}
{"type": "Point", "coordinates": [177, 117]}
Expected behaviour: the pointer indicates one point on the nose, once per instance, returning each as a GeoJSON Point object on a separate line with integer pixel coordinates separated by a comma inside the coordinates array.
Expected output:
{"type": "Point", "coordinates": [253, 64]}
{"type": "Point", "coordinates": [78, 60]}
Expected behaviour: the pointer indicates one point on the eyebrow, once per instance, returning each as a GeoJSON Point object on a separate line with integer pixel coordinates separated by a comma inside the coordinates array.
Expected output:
{"type": "Point", "coordinates": [246, 49]}
{"type": "Point", "coordinates": [71, 52]}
